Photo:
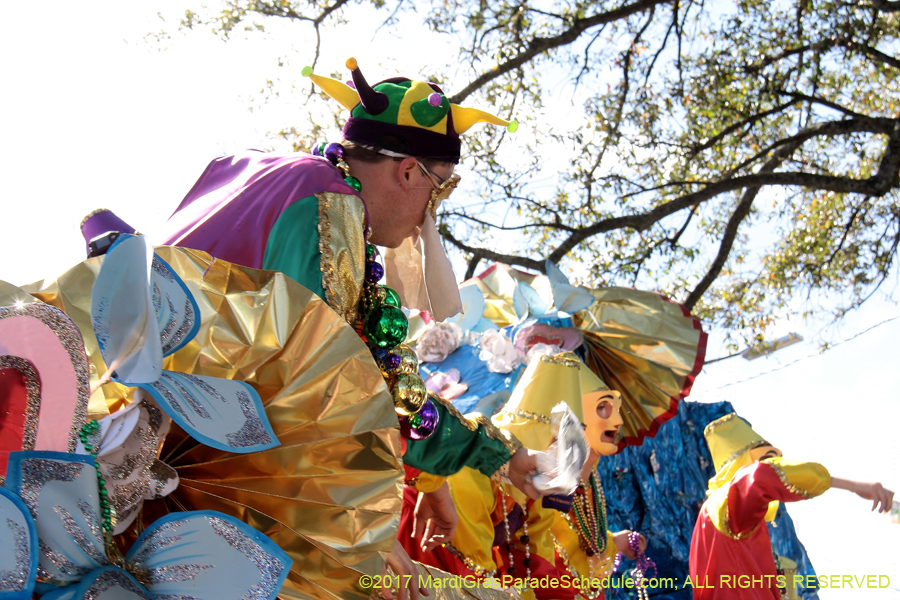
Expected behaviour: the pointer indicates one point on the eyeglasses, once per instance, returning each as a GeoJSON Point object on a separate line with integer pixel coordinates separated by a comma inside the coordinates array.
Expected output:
{"type": "Point", "coordinates": [441, 189]}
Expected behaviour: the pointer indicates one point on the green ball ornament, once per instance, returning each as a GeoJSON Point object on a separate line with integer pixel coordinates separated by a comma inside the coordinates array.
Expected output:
{"type": "Point", "coordinates": [409, 362]}
{"type": "Point", "coordinates": [391, 297]}
{"type": "Point", "coordinates": [353, 182]}
{"type": "Point", "coordinates": [370, 250]}
{"type": "Point", "coordinates": [409, 394]}
{"type": "Point", "coordinates": [386, 326]}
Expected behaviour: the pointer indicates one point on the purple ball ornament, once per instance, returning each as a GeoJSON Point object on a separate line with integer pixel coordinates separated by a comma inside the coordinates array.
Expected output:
{"type": "Point", "coordinates": [434, 99]}
{"type": "Point", "coordinates": [421, 425]}
{"type": "Point", "coordinates": [374, 271]}
{"type": "Point", "coordinates": [334, 152]}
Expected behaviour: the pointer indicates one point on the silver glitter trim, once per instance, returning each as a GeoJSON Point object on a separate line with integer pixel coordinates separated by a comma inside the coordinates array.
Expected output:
{"type": "Point", "coordinates": [155, 541]}
{"type": "Point", "coordinates": [36, 472]}
{"type": "Point", "coordinates": [77, 533]}
{"type": "Point", "coordinates": [15, 579]}
{"type": "Point", "coordinates": [114, 578]}
{"type": "Point", "coordinates": [189, 317]}
{"type": "Point", "coordinates": [68, 335]}
{"type": "Point", "coordinates": [170, 325]}
{"type": "Point", "coordinates": [33, 396]}
{"type": "Point", "coordinates": [160, 269]}
{"type": "Point", "coordinates": [174, 404]}
{"type": "Point", "coordinates": [269, 567]}
{"type": "Point", "coordinates": [64, 566]}
{"type": "Point", "coordinates": [253, 432]}
{"type": "Point", "coordinates": [171, 574]}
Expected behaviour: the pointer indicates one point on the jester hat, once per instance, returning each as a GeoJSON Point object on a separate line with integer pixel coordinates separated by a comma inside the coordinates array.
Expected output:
{"type": "Point", "coordinates": [400, 115]}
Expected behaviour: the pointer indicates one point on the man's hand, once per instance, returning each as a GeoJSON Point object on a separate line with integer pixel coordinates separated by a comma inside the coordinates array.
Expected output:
{"type": "Point", "coordinates": [400, 563]}
{"type": "Point", "coordinates": [875, 492]}
{"type": "Point", "coordinates": [624, 546]}
{"type": "Point", "coordinates": [522, 469]}
{"type": "Point", "coordinates": [435, 518]}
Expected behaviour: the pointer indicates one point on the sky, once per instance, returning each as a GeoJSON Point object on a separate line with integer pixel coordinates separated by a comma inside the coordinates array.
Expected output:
{"type": "Point", "coordinates": [95, 116]}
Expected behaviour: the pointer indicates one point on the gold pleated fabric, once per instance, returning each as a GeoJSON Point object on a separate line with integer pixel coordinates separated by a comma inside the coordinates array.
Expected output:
{"type": "Point", "coordinates": [640, 343]}
{"type": "Point", "coordinates": [329, 495]}
{"type": "Point", "coordinates": [648, 348]}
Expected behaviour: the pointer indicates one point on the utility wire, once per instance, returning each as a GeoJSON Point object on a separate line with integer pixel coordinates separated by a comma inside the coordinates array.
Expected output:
{"type": "Point", "coordinates": [795, 361]}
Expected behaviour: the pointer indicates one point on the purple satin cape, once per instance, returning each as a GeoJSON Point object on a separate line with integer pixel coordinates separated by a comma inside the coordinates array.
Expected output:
{"type": "Point", "coordinates": [234, 205]}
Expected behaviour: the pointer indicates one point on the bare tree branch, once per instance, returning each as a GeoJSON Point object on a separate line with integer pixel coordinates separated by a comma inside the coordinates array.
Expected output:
{"type": "Point", "coordinates": [538, 44]}
{"type": "Point", "coordinates": [748, 121]}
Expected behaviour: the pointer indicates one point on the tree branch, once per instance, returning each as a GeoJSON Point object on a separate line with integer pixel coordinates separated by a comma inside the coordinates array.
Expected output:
{"type": "Point", "coordinates": [539, 45]}
{"type": "Point", "coordinates": [480, 253]}
{"type": "Point", "coordinates": [877, 185]}
{"type": "Point", "coordinates": [731, 128]}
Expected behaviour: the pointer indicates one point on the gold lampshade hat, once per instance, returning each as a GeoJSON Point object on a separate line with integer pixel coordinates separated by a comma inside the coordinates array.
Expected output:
{"type": "Point", "coordinates": [548, 380]}
{"type": "Point", "coordinates": [591, 385]}
{"type": "Point", "coordinates": [730, 437]}
{"type": "Point", "coordinates": [730, 440]}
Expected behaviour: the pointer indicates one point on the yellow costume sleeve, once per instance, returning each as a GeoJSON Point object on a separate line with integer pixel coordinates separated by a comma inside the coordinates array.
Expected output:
{"type": "Point", "coordinates": [475, 500]}
{"type": "Point", "coordinates": [427, 483]}
{"type": "Point", "coordinates": [804, 478]}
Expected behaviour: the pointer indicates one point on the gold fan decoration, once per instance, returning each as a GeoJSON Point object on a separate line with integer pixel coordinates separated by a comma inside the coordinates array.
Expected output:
{"type": "Point", "coordinates": [647, 347]}
{"type": "Point", "coordinates": [329, 494]}
{"type": "Point", "coordinates": [640, 343]}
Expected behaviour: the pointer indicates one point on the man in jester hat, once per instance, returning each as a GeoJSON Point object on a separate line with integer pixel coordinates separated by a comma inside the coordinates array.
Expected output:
{"type": "Point", "coordinates": [317, 218]}
{"type": "Point", "coordinates": [504, 534]}
{"type": "Point", "coordinates": [731, 554]}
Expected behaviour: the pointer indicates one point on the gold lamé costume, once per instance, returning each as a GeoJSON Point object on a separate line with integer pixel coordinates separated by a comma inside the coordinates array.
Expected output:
{"type": "Point", "coordinates": [329, 494]}
{"type": "Point", "coordinates": [642, 345]}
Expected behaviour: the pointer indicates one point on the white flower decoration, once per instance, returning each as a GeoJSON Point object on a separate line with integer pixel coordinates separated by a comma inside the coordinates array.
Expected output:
{"type": "Point", "coordinates": [499, 352]}
{"type": "Point", "coordinates": [438, 341]}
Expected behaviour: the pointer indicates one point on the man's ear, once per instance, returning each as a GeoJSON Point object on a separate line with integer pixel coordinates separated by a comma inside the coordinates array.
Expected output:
{"type": "Point", "coordinates": [405, 170]}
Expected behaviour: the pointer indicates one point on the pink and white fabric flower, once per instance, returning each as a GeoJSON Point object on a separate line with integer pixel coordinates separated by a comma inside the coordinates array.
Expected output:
{"type": "Point", "coordinates": [499, 352]}
{"type": "Point", "coordinates": [437, 342]}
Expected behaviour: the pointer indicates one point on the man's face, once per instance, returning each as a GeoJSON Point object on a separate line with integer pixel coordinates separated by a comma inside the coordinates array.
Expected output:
{"type": "Point", "coordinates": [602, 421]}
{"type": "Point", "coordinates": [397, 200]}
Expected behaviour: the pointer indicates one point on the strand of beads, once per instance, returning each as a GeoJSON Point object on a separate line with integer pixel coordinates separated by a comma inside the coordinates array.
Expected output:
{"type": "Point", "coordinates": [87, 432]}
{"type": "Point", "coordinates": [590, 514]}
{"type": "Point", "coordinates": [525, 539]}
{"type": "Point", "coordinates": [511, 569]}
{"type": "Point", "coordinates": [642, 566]}
{"type": "Point", "coordinates": [383, 326]}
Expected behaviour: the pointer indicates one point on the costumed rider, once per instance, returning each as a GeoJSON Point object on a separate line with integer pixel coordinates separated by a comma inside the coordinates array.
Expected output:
{"type": "Point", "coordinates": [501, 533]}
{"type": "Point", "coordinates": [318, 219]}
{"type": "Point", "coordinates": [731, 554]}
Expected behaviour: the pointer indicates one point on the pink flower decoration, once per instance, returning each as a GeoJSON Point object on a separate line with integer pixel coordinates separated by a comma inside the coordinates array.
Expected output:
{"type": "Point", "coordinates": [565, 338]}
{"type": "Point", "coordinates": [446, 385]}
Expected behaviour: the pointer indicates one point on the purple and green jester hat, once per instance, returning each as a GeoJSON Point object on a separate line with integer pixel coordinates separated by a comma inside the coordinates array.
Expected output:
{"type": "Point", "coordinates": [402, 117]}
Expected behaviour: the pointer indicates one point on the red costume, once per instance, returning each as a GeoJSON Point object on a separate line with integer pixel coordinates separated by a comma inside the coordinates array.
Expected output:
{"type": "Point", "coordinates": [731, 555]}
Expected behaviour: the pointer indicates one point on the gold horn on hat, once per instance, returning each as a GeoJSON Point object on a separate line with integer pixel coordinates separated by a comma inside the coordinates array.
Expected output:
{"type": "Point", "coordinates": [338, 90]}
{"type": "Point", "coordinates": [464, 118]}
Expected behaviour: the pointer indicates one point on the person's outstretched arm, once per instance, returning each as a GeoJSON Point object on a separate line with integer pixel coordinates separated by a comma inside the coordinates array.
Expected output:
{"type": "Point", "coordinates": [877, 493]}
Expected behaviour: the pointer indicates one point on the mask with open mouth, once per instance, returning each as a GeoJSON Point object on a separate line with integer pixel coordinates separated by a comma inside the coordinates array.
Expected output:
{"type": "Point", "coordinates": [600, 406]}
